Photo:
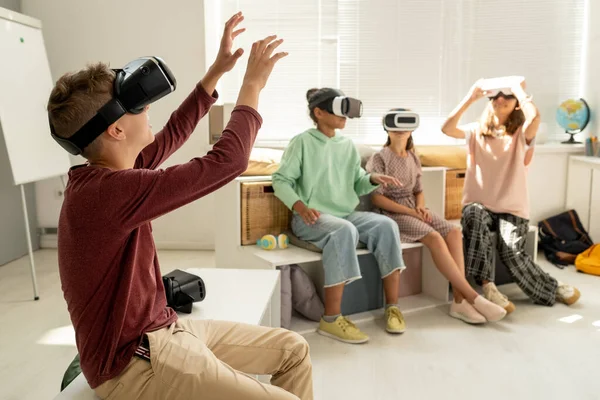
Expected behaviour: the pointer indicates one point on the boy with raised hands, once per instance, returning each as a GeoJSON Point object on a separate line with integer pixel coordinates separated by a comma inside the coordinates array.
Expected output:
{"type": "Point", "coordinates": [131, 344]}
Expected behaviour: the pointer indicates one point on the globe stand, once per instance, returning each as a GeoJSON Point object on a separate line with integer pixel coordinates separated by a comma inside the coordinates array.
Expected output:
{"type": "Point", "coordinates": [571, 140]}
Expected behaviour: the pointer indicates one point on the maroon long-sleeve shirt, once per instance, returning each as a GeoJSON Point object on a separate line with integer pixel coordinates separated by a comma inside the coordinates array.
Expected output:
{"type": "Point", "coordinates": [107, 259]}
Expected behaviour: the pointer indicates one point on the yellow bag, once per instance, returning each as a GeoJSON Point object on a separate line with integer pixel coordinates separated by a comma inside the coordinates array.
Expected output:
{"type": "Point", "coordinates": [589, 261]}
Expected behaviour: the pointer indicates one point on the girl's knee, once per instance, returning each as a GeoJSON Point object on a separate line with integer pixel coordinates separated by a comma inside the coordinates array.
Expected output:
{"type": "Point", "coordinates": [455, 234]}
{"type": "Point", "coordinates": [473, 211]}
{"type": "Point", "coordinates": [433, 239]}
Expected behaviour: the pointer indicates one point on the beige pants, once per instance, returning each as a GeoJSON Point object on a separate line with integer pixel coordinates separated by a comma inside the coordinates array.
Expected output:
{"type": "Point", "coordinates": [200, 360]}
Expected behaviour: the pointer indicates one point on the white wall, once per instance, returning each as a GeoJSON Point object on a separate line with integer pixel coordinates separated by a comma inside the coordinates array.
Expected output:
{"type": "Point", "coordinates": [547, 180]}
{"type": "Point", "coordinates": [13, 242]}
{"type": "Point", "coordinates": [116, 31]}
{"type": "Point", "coordinates": [591, 87]}
{"type": "Point", "coordinates": [14, 5]}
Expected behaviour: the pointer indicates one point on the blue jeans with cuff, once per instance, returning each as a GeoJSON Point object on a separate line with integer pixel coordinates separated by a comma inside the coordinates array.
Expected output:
{"type": "Point", "coordinates": [338, 237]}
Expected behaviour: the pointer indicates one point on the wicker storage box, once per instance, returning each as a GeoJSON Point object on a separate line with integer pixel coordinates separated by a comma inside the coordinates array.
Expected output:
{"type": "Point", "coordinates": [262, 212]}
{"type": "Point", "coordinates": [455, 179]}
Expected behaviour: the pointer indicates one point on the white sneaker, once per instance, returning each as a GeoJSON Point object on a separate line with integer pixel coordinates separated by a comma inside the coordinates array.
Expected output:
{"type": "Point", "coordinates": [567, 294]}
{"type": "Point", "coordinates": [491, 292]}
{"type": "Point", "coordinates": [490, 310]}
{"type": "Point", "coordinates": [466, 312]}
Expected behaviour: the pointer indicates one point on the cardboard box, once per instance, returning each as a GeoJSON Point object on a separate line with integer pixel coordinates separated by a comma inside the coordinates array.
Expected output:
{"type": "Point", "coordinates": [218, 117]}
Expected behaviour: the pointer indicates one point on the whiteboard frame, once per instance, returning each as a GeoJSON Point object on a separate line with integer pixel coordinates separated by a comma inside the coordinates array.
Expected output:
{"type": "Point", "coordinates": [20, 18]}
{"type": "Point", "coordinates": [28, 22]}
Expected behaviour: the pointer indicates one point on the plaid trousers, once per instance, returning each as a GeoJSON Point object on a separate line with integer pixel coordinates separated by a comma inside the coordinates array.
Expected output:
{"type": "Point", "coordinates": [478, 223]}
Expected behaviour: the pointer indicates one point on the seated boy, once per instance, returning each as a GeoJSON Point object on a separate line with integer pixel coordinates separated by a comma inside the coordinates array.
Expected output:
{"type": "Point", "coordinates": [133, 346]}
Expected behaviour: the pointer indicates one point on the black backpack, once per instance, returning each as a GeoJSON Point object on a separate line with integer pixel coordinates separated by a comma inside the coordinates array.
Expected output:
{"type": "Point", "coordinates": [562, 238]}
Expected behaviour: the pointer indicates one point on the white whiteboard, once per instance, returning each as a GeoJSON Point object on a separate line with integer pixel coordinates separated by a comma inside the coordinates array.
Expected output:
{"type": "Point", "coordinates": [25, 85]}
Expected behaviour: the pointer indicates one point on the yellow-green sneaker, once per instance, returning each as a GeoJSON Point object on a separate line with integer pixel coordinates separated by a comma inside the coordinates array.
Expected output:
{"type": "Point", "coordinates": [394, 320]}
{"type": "Point", "coordinates": [342, 329]}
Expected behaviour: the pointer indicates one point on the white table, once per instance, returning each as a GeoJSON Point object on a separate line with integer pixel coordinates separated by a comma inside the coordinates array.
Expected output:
{"type": "Point", "coordinates": [239, 295]}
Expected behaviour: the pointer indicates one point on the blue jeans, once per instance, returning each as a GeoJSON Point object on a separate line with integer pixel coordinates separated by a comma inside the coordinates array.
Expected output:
{"type": "Point", "coordinates": [338, 237]}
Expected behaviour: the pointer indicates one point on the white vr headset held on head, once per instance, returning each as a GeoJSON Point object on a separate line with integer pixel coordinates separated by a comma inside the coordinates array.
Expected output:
{"type": "Point", "coordinates": [400, 121]}
{"type": "Point", "coordinates": [494, 86]}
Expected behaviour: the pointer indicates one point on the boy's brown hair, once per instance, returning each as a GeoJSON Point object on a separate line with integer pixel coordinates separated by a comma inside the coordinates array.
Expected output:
{"type": "Point", "coordinates": [77, 97]}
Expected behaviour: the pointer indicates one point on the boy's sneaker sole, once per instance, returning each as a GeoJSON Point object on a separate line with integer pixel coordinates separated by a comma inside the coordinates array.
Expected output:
{"type": "Point", "coordinates": [395, 330]}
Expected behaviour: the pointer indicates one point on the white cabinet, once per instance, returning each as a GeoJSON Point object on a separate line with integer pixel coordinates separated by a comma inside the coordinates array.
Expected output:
{"type": "Point", "coordinates": [594, 227]}
{"type": "Point", "coordinates": [583, 192]}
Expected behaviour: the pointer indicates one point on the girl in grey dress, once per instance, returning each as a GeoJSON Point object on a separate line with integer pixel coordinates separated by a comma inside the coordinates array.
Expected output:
{"type": "Point", "coordinates": [406, 206]}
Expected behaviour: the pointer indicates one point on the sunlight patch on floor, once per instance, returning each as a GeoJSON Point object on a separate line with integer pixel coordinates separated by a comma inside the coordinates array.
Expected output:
{"type": "Point", "coordinates": [571, 318]}
{"type": "Point", "coordinates": [63, 336]}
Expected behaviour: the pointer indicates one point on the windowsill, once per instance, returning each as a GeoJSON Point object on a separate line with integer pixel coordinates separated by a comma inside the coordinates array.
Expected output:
{"type": "Point", "coordinates": [540, 148]}
{"type": "Point", "coordinates": [557, 147]}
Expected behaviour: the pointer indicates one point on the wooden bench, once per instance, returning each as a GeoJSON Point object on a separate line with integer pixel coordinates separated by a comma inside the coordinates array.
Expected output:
{"type": "Point", "coordinates": [422, 286]}
{"type": "Point", "coordinates": [229, 251]}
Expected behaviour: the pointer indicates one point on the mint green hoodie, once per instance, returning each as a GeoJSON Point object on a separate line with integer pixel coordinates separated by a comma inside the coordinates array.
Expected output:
{"type": "Point", "coordinates": [324, 173]}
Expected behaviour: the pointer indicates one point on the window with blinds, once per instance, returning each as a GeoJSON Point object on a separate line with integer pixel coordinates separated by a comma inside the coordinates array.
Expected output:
{"type": "Point", "coordinates": [422, 55]}
{"type": "Point", "coordinates": [308, 28]}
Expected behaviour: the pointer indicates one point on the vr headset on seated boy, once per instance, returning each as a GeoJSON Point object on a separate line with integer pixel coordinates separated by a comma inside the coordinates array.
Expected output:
{"type": "Point", "coordinates": [334, 101]}
{"type": "Point", "coordinates": [400, 120]}
{"type": "Point", "coordinates": [137, 84]}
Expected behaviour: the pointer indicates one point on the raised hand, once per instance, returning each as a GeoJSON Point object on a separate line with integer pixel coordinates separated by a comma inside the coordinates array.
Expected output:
{"type": "Point", "coordinates": [226, 60]}
{"type": "Point", "coordinates": [475, 93]}
{"type": "Point", "coordinates": [260, 66]}
{"type": "Point", "coordinates": [260, 61]}
{"type": "Point", "coordinates": [519, 89]}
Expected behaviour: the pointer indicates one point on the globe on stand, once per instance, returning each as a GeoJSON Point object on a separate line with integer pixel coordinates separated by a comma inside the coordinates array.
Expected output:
{"type": "Point", "coordinates": [573, 116]}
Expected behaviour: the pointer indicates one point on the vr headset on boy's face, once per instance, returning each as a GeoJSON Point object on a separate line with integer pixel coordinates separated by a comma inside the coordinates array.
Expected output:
{"type": "Point", "coordinates": [400, 121]}
{"type": "Point", "coordinates": [140, 83]}
{"type": "Point", "coordinates": [335, 102]}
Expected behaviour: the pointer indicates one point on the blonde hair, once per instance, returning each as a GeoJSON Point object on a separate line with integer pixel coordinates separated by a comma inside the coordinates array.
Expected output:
{"type": "Point", "coordinates": [514, 121]}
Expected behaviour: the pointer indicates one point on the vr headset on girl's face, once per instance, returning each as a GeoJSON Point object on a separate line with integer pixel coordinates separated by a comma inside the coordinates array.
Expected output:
{"type": "Point", "coordinates": [335, 102]}
{"type": "Point", "coordinates": [140, 83]}
{"type": "Point", "coordinates": [496, 87]}
{"type": "Point", "coordinates": [400, 121]}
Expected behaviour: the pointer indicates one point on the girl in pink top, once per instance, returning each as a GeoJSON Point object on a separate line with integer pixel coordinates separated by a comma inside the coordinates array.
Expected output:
{"type": "Point", "coordinates": [495, 195]}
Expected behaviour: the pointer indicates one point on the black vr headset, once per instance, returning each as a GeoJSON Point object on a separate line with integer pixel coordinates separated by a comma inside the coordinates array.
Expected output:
{"type": "Point", "coordinates": [335, 102]}
{"type": "Point", "coordinates": [400, 120]}
{"type": "Point", "coordinates": [139, 83]}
